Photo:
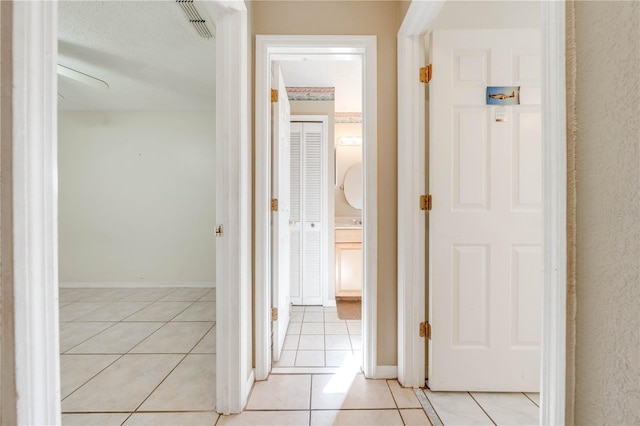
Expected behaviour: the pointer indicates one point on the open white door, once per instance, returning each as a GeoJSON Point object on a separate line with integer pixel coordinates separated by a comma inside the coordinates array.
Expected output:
{"type": "Point", "coordinates": [280, 195]}
{"type": "Point", "coordinates": [485, 228]}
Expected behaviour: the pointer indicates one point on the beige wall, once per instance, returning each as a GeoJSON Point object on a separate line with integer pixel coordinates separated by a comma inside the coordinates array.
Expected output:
{"type": "Point", "coordinates": [382, 19]}
{"type": "Point", "coordinates": [607, 108]}
{"type": "Point", "coordinates": [137, 196]}
{"type": "Point", "coordinates": [7, 358]}
{"type": "Point", "coordinates": [404, 7]}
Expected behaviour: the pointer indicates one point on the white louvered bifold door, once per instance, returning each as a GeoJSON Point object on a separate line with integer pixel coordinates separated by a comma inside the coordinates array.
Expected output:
{"type": "Point", "coordinates": [306, 225]}
{"type": "Point", "coordinates": [312, 274]}
{"type": "Point", "coordinates": [295, 224]}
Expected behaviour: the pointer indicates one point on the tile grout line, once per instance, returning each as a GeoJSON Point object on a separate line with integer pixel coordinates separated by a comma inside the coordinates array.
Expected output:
{"type": "Point", "coordinates": [200, 340]}
{"type": "Point", "coordinates": [427, 407]}
{"type": "Point", "coordinates": [125, 420]}
{"type": "Point", "coordinates": [159, 384]}
{"type": "Point", "coordinates": [120, 356]}
{"type": "Point", "coordinates": [534, 403]}
{"type": "Point", "coordinates": [482, 408]}
{"type": "Point", "coordinates": [90, 337]}
{"type": "Point", "coordinates": [160, 328]}
{"type": "Point", "coordinates": [386, 381]}
{"type": "Point", "coordinates": [310, 396]}
{"type": "Point", "coordinates": [184, 355]}
{"type": "Point", "coordinates": [85, 354]}
{"type": "Point", "coordinates": [159, 301]}
{"type": "Point", "coordinates": [92, 377]}
{"type": "Point", "coordinates": [81, 301]}
{"type": "Point", "coordinates": [324, 335]}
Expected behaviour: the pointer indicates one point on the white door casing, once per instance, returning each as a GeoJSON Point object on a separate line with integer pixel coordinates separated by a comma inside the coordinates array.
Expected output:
{"type": "Point", "coordinates": [485, 238]}
{"type": "Point", "coordinates": [34, 51]}
{"type": "Point", "coordinates": [268, 49]}
{"type": "Point", "coordinates": [234, 326]}
{"type": "Point", "coordinates": [309, 237]}
{"type": "Point", "coordinates": [418, 21]}
{"type": "Point", "coordinates": [280, 191]}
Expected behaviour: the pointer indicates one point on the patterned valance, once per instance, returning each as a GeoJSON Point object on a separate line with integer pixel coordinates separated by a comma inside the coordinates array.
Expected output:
{"type": "Point", "coordinates": [311, 93]}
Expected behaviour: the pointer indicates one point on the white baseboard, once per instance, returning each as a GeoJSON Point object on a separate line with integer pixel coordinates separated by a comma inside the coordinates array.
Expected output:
{"type": "Point", "coordinates": [139, 284]}
{"type": "Point", "coordinates": [304, 370]}
{"type": "Point", "coordinates": [248, 388]}
{"type": "Point", "coordinates": [386, 372]}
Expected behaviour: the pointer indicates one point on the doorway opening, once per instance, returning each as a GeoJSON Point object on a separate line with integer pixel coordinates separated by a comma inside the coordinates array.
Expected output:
{"type": "Point", "coordinates": [136, 206]}
{"type": "Point", "coordinates": [325, 215]}
{"type": "Point", "coordinates": [292, 53]}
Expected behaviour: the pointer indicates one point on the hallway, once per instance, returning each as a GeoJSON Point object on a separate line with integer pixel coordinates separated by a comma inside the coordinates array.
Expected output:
{"type": "Point", "coordinates": [317, 338]}
{"type": "Point", "coordinates": [147, 357]}
{"type": "Point", "coordinates": [347, 398]}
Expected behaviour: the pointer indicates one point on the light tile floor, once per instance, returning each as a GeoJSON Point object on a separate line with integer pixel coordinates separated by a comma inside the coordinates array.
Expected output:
{"type": "Point", "coordinates": [147, 357]}
{"type": "Point", "coordinates": [316, 337]}
{"type": "Point", "coordinates": [343, 398]}
{"type": "Point", "coordinates": [347, 398]}
{"type": "Point", "coordinates": [480, 408]}
{"type": "Point", "coordinates": [138, 356]}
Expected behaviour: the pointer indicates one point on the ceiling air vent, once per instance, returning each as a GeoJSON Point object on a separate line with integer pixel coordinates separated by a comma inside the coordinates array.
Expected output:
{"type": "Point", "coordinates": [195, 18]}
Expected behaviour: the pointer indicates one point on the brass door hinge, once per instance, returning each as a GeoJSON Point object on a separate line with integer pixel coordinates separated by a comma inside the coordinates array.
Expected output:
{"type": "Point", "coordinates": [274, 204]}
{"type": "Point", "coordinates": [425, 330]}
{"type": "Point", "coordinates": [426, 202]}
{"type": "Point", "coordinates": [426, 73]}
{"type": "Point", "coordinates": [218, 230]}
{"type": "Point", "coordinates": [274, 314]}
{"type": "Point", "coordinates": [274, 95]}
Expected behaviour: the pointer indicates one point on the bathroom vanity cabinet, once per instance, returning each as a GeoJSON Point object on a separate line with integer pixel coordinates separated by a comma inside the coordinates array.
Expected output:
{"type": "Point", "coordinates": [348, 253]}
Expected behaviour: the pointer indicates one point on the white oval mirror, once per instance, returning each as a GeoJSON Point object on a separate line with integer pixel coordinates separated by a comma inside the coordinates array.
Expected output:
{"type": "Point", "coordinates": [353, 186]}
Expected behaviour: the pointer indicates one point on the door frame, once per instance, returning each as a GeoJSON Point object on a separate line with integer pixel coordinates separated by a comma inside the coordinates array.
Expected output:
{"type": "Point", "coordinates": [411, 248]}
{"type": "Point", "coordinates": [328, 201]}
{"type": "Point", "coordinates": [278, 47]}
{"type": "Point", "coordinates": [34, 36]}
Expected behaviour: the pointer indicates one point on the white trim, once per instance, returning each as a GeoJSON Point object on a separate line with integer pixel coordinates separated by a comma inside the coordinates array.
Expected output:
{"type": "Point", "coordinates": [305, 370]}
{"type": "Point", "coordinates": [35, 212]}
{"type": "Point", "coordinates": [270, 48]}
{"type": "Point", "coordinates": [417, 22]}
{"type": "Point", "coordinates": [411, 184]}
{"type": "Point", "coordinates": [137, 284]}
{"type": "Point", "coordinates": [386, 372]}
{"type": "Point", "coordinates": [411, 220]}
{"type": "Point", "coordinates": [328, 218]}
{"type": "Point", "coordinates": [554, 184]}
{"type": "Point", "coordinates": [234, 377]}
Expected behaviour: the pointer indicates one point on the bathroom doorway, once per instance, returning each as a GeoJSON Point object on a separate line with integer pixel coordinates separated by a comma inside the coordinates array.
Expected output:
{"type": "Point", "coordinates": [324, 214]}
{"type": "Point", "coordinates": [350, 338]}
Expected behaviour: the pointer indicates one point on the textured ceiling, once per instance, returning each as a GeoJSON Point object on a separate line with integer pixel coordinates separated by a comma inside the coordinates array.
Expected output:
{"type": "Point", "coordinates": [345, 76]}
{"type": "Point", "coordinates": [147, 52]}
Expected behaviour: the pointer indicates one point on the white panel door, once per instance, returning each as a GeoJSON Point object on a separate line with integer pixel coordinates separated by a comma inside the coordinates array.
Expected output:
{"type": "Point", "coordinates": [485, 228]}
{"type": "Point", "coordinates": [307, 224]}
{"type": "Point", "coordinates": [280, 190]}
